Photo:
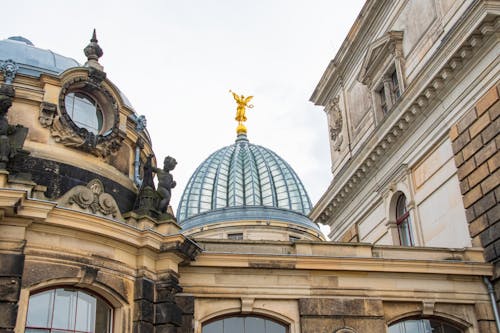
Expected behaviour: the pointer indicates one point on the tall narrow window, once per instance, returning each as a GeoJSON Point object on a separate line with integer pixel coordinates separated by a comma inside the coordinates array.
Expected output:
{"type": "Point", "coordinates": [396, 93]}
{"type": "Point", "coordinates": [403, 222]}
{"type": "Point", "coordinates": [67, 310]}
{"type": "Point", "coordinates": [383, 101]}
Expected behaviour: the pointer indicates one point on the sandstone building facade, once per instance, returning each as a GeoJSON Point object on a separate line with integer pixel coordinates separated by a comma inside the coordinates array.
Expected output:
{"type": "Point", "coordinates": [89, 244]}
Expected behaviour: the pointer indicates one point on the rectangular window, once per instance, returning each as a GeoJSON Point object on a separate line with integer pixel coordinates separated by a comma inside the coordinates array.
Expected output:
{"type": "Point", "coordinates": [235, 236]}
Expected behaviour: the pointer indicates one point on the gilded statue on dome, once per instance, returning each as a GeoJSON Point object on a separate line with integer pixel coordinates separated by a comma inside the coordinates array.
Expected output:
{"type": "Point", "coordinates": [242, 104]}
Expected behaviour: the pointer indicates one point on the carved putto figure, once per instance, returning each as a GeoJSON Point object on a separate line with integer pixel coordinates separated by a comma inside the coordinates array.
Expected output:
{"type": "Point", "coordinates": [166, 182]}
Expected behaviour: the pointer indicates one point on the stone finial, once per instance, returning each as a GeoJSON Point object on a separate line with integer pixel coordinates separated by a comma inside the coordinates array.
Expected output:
{"type": "Point", "coordinates": [93, 52]}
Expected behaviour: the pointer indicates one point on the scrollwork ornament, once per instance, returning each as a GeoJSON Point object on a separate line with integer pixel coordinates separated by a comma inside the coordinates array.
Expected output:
{"type": "Point", "coordinates": [91, 198]}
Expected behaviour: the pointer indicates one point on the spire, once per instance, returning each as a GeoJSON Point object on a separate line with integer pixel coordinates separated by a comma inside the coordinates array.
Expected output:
{"type": "Point", "coordinates": [93, 52]}
{"type": "Point", "coordinates": [242, 104]}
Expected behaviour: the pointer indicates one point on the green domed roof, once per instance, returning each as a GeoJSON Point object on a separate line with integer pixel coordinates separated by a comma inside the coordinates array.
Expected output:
{"type": "Point", "coordinates": [244, 179]}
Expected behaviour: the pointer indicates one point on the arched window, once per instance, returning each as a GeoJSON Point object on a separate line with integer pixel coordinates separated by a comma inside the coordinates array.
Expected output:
{"type": "Point", "coordinates": [422, 326]}
{"type": "Point", "coordinates": [67, 310]}
{"type": "Point", "coordinates": [403, 222]}
{"type": "Point", "coordinates": [244, 324]}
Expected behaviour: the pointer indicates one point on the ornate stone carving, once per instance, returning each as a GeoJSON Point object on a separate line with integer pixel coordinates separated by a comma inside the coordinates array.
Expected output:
{"type": "Point", "coordinates": [93, 52]}
{"type": "Point", "coordinates": [141, 123]}
{"type": "Point", "coordinates": [335, 120]}
{"type": "Point", "coordinates": [65, 131]}
{"type": "Point", "coordinates": [11, 137]}
{"type": "Point", "coordinates": [166, 182]}
{"type": "Point", "coordinates": [9, 69]}
{"type": "Point", "coordinates": [153, 202]}
{"type": "Point", "coordinates": [91, 198]}
{"type": "Point", "coordinates": [47, 113]}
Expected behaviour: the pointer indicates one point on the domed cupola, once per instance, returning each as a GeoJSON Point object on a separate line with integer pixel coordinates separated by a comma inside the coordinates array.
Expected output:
{"type": "Point", "coordinates": [242, 188]}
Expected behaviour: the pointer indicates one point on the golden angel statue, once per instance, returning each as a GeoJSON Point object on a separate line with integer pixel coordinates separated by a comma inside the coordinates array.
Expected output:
{"type": "Point", "coordinates": [242, 102]}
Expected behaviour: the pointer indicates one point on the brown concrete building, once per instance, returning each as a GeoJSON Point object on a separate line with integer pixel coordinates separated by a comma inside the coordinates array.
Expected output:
{"type": "Point", "coordinates": [89, 244]}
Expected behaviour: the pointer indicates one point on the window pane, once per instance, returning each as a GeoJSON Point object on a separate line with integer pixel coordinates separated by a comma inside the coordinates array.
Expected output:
{"type": "Point", "coordinates": [215, 327]}
{"type": "Point", "coordinates": [233, 325]}
{"type": "Point", "coordinates": [36, 330]}
{"type": "Point", "coordinates": [103, 317]}
{"type": "Point", "coordinates": [272, 327]}
{"type": "Point", "coordinates": [64, 309]}
{"type": "Point", "coordinates": [40, 309]}
{"type": "Point", "coordinates": [85, 315]}
{"type": "Point", "coordinates": [84, 112]}
{"type": "Point", "coordinates": [254, 325]}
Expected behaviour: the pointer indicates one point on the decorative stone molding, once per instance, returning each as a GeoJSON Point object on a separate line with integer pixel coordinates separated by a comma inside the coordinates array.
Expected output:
{"type": "Point", "coordinates": [407, 117]}
{"type": "Point", "coordinates": [65, 131]}
{"type": "Point", "coordinates": [428, 307]}
{"type": "Point", "coordinates": [9, 69]}
{"type": "Point", "coordinates": [47, 114]}
{"type": "Point", "coordinates": [91, 198]}
{"type": "Point", "coordinates": [335, 121]}
{"type": "Point", "coordinates": [247, 304]}
{"type": "Point", "coordinates": [385, 49]}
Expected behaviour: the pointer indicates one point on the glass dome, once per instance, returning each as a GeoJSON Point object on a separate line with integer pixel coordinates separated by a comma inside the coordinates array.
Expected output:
{"type": "Point", "coordinates": [244, 175]}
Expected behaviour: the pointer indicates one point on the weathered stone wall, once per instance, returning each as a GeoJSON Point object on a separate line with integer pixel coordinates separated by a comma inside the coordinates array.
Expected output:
{"type": "Point", "coordinates": [11, 269]}
{"type": "Point", "coordinates": [326, 315]}
{"type": "Point", "coordinates": [475, 145]}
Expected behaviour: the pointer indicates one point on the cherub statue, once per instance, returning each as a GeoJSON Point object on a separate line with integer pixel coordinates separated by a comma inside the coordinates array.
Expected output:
{"type": "Point", "coordinates": [242, 102]}
{"type": "Point", "coordinates": [165, 182]}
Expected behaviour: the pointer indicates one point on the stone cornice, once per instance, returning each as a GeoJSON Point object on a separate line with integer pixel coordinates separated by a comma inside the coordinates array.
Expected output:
{"type": "Point", "coordinates": [357, 37]}
{"type": "Point", "coordinates": [342, 263]}
{"type": "Point", "coordinates": [446, 63]}
{"type": "Point", "coordinates": [46, 216]}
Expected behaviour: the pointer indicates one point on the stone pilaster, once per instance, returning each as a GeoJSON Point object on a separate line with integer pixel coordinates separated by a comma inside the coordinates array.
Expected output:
{"type": "Point", "coordinates": [11, 270]}
{"type": "Point", "coordinates": [144, 305]}
{"type": "Point", "coordinates": [168, 315]}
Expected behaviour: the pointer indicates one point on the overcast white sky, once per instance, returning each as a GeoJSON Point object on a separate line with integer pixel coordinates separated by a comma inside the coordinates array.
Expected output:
{"type": "Point", "coordinates": [177, 60]}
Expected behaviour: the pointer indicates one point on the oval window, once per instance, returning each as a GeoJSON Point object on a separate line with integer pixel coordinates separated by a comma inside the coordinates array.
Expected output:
{"type": "Point", "coordinates": [84, 111]}
{"type": "Point", "coordinates": [67, 310]}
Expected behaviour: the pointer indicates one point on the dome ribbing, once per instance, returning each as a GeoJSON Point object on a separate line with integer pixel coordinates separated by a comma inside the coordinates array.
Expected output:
{"type": "Point", "coordinates": [247, 176]}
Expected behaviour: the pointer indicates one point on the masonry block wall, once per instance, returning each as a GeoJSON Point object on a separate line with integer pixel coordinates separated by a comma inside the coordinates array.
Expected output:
{"type": "Point", "coordinates": [475, 143]}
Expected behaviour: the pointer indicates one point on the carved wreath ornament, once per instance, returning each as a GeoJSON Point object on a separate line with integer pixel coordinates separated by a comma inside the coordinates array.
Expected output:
{"type": "Point", "coordinates": [335, 119]}
{"type": "Point", "coordinates": [91, 198]}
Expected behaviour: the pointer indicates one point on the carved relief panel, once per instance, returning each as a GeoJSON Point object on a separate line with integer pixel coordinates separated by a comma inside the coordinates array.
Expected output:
{"type": "Point", "coordinates": [335, 122]}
